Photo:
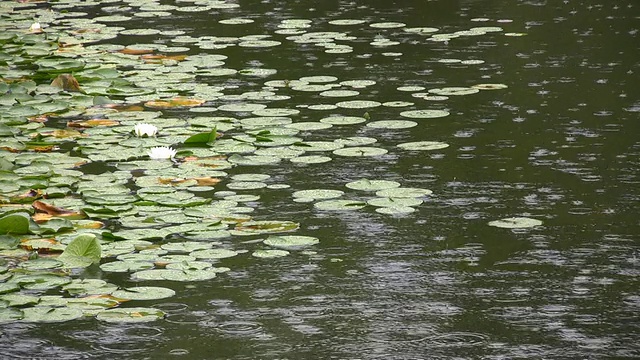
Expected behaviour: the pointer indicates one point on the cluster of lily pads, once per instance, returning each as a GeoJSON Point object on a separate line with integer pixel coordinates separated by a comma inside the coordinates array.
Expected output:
{"type": "Point", "coordinates": [95, 171]}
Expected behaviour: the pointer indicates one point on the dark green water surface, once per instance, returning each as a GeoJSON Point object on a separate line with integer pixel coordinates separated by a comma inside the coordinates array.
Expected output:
{"type": "Point", "coordinates": [560, 144]}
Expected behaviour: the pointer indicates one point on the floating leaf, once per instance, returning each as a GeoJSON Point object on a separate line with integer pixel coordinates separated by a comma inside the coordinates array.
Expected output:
{"type": "Point", "coordinates": [270, 253]}
{"type": "Point", "coordinates": [424, 114]}
{"type": "Point", "coordinates": [360, 151]}
{"type": "Point", "coordinates": [318, 194]}
{"type": "Point", "coordinates": [213, 254]}
{"type": "Point", "coordinates": [176, 275]}
{"type": "Point", "coordinates": [66, 82]}
{"type": "Point", "coordinates": [401, 192]}
{"type": "Point", "coordinates": [372, 185]}
{"type": "Point", "coordinates": [143, 293]}
{"type": "Point", "coordinates": [394, 202]}
{"type": "Point", "coordinates": [515, 223]}
{"type": "Point", "coordinates": [15, 223]}
{"type": "Point", "coordinates": [291, 241]}
{"type": "Point", "coordinates": [423, 145]}
{"type": "Point", "coordinates": [48, 314]}
{"type": "Point", "coordinates": [339, 205]}
{"type": "Point", "coordinates": [130, 315]}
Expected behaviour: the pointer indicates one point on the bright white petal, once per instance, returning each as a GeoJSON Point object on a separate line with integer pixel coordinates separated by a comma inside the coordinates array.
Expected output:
{"type": "Point", "coordinates": [143, 129]}
{"type": "Point", "coordinates": [162, 152]}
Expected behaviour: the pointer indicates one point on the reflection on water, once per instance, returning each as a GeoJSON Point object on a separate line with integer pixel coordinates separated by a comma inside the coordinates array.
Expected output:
{"type": "Point", "coordinates": [559, 144]}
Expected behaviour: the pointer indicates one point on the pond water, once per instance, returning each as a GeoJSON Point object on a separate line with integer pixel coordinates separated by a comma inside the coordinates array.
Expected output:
{"type": "Point", "coordinates": [554, 137]}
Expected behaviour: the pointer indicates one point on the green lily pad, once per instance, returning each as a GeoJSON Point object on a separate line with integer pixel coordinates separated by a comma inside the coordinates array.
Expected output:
{"type": "Point", "coordinates": [401, 192]}
{"type": "Point", "coordinates": [10, 314]}
{"type": "Point", "coordinates": [394, 202]}
{"type": "Point", "coordinates": [339, 205]}
{"type": "Point", "coordinates": [360, 151]}
{"type": "Point", "coordinates": [130, 315]}
{"type": "Point", "coordinates": [423, 145]}
{"type": "Point", "coordinates": [318, 194]}
{"type": "Point", "coordinates": [213, 254]}
{"type": "Point", "coordinates": [343, 120]}
{"type": "Point", "coordinates": [48, 314]}
{"type": "Point", "coordinates": [424, 114]}
{"type": "Point", "coordinates": [270, 253]}
{"type": "Point", "coordinates": [126, 266]}
{"type": "Point", "coordinates": [311, 159]}
{"type": "Point", "coordinates": [372, 185]}
{"type": "Point", "coordinates": [515, 223]}
{"type": "Point", "coordinates": [395, 210]}
{"type": "Point", "coordinates": [84, 287]}
{"type": "Point", "coordinates": [143, 293]}
{"type": "Point", "coordinates": [175, 275]}
{"type": "Point", "coordinates": [392, 124]}
{"type": "Point", "coordinates": [187, 246]}
{"type": "Point", "coordinates": [291, 241]}
{"type": "Point", "coordinates": [15, 223]}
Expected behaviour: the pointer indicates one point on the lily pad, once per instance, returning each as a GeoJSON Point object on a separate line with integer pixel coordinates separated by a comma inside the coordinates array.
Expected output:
{"type": "Point", "coordinates": [515, 223]}
{"type": "Point", "coordinates": [401, 192]}
{"type": "Point", "coordinates": [143, 293]}
{"type": "Point", "coordinates": [372, 185]}
{"type": "Point", "coordinates": [270, 253]}
{"type": "Point", "coordinates": [423, 145]}
{"type": "Point", "coordinates": [291, 241]}
{"type": "Point", "coordinates": [48, 314]}
{"type": "Point", "coordinates": [424, 114]}
{"type": "Point", "coordinates": [130, 315]}
{"type": "Point", "coordinates": [339, 205]}
{"type": "Point", "coordinates": [360, 151]}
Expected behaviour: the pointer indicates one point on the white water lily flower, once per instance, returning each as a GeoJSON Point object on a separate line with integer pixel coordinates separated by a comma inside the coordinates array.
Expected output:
{"type": "Point", "coordinates": [143, 129]}
{"type": "Point", "coordinates": [162, 152]}
{"type": "Point", "coordinates": [35, 27]}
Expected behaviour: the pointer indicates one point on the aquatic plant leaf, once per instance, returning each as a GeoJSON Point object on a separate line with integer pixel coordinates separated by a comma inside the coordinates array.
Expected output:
{"type": "Point", "coordinates": [213, 254]}
{"type": "Point", "coordinates": [291, 241]}
{"type": "Point", "coordinates": [176, 275]}
{"type": "Point", "coordinates": [85, 247]}
{"type": "Point", "coordinates": [360, 151]}
{"type": "Point", "coordinates": [67, 82]}
{"type": "Point", "coordinates": [395, 210]}
{"type": "Point", "coordinates": [515, 223]}
{"type": "Point", "coordinates": [424, 114]}
{"type": "Point", "coordinates": [372, 185]}
{"type": "Point", "coordinates": [15, 223]}
{"type": "Point", "coordinates": [205, 138]}
{"type": "Point", "coordinates": [401, 192]}
{"type": "Point", "coordinates": [144, 293]}
{"type": "Point", "coordinates": [270, 253]}
{"type": "Point", "coordinates": [339, 205]}
{"type": "Point", "coordinates": [318, 194]}
{"type": "Point", "coordinates": [47, 314]}
{"type": "Point", "coordinates": [423, 145]}
{"type": "Point", "coordinates": [130, 315]}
